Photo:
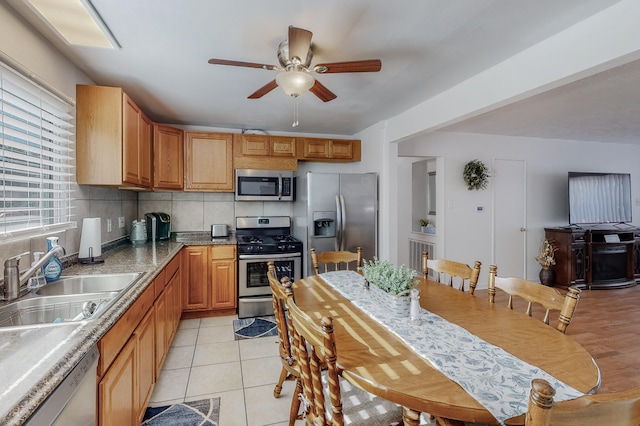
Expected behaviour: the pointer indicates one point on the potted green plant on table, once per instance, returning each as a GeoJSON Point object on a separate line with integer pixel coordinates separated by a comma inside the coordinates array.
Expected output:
{"type": "Point", "coordinates": [546, 258]}
{"type": "Point", "coordinates": [391, 285]}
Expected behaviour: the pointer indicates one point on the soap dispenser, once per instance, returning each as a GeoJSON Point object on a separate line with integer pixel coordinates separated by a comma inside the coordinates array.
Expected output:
{"type": "Point", "coordinates": [53, 268]}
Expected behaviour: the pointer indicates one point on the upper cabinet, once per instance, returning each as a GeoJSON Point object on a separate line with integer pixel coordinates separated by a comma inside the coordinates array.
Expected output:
{"type": "Point", "coordinates": [317, 149]}
{"type": "Point", "coordinates": [264, 152]}
{"type": "Point", "coordinates": [209, 162]}
{"type": "Point", "coordinates": [168, 158]}
{"type": "Point", "coordinates": [262, 145]}
{"type": "Point", "coordinates": [283, 153]}
{"type": "Point", "coordinates": [113, 139]}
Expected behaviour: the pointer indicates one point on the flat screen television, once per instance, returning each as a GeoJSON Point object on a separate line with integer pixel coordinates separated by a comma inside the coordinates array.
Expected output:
{"type": "Point", "coordinates": [596, 198]}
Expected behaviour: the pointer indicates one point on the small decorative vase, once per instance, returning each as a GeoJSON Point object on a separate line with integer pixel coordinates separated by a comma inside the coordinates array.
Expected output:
{"type": "Point", "coordinates": [547, 276]}
{"type": "Point", "coordinates": [399, 306]}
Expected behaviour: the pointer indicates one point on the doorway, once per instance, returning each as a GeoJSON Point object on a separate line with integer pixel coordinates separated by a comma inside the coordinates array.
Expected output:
{"type": "Point", "coordinates": [509, 218]}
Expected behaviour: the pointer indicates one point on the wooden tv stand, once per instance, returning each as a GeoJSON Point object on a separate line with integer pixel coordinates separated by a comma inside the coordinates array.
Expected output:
{"type": "Point", "coordinates": [597, 256]}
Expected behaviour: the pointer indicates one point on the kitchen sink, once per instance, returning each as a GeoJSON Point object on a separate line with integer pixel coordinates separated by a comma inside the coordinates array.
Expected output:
{"type": "Point", "coordinates": [82, 284]}
{"type": "Point", "coordinates": [34, 310]}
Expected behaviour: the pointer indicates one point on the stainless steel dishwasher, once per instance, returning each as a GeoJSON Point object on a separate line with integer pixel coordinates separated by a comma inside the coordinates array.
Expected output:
{"type": "Point", "coordinates": [73, 402]}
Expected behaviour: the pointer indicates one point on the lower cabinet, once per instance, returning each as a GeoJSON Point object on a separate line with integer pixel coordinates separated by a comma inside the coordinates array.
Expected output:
{"type": "Point", "coordinates": [195, 262]}
{"type": "Point", "coordinates": [117, 391]}
{"type": "Point", "coordinates": [133, 350]}
{"type": "Point", "coordinates": [223, 277]}
{"type": "Point", "coordinates": [145, 355]}
{"type": "Point", "coordinates": [209, 279]}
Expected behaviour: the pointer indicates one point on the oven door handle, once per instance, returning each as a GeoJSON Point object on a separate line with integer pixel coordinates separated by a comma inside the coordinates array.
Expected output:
{"type": "Point", "coordinates": [268, 256]}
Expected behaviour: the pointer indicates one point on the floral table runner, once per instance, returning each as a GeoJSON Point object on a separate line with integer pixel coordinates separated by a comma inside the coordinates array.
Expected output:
{"type": "Point", "coordinates": [493, 377]}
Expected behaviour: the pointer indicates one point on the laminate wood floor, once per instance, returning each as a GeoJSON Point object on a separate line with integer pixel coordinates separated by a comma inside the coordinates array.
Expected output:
{"type": "Point", "coordinates": [607, 324]}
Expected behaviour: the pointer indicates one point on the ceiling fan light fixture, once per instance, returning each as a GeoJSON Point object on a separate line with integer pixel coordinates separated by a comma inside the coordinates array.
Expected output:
{"type": "Point", "coordinates": [295, 83]}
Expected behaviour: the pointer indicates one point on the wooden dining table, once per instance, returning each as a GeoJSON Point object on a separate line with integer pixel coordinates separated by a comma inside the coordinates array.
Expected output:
{"type": "Point", "coordinates": [378, 361]}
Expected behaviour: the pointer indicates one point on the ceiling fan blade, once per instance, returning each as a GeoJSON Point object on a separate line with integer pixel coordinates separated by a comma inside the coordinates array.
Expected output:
{"type": "Point", "coordinates": [322, 92]}
{"type": "Point", "coordinates": [263, 90]}
{"type": "Point", "coordinates": [242, 64]}
{"type": "Point", "coordinates": [370, 65]}
{"type": "Point", "coordinates": [299, 43]}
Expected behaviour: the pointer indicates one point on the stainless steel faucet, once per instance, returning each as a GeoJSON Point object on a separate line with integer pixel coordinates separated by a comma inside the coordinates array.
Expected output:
{"type": "Point", "coordinates": [15, 285]}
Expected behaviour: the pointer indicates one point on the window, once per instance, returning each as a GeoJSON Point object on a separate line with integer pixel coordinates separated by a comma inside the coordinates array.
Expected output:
{"type": "Point", "coordinates": [36, 157]}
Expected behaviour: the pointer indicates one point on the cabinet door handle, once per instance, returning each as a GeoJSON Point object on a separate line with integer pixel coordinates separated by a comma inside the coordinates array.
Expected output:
{"type": "Point", "coordinates": [523, 229]}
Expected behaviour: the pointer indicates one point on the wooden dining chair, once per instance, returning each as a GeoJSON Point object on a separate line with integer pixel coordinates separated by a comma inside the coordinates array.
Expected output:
{"type": "Point", "coordinates": [549, 298]}
{"type": "Point", "coordinates": [335, 260]}
{"type": "Point", "coordinates": [619, 408]}
{"type": "Point", "coordinates": [280, 290]}
{"type": "Point", "coordinates": [448, 270]}
{"type": "Point", "coordinates": [329, 399]}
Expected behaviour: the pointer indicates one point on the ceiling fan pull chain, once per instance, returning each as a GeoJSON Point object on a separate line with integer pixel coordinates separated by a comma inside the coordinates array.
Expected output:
{"type": "Point", "coordinates": [295, 112]}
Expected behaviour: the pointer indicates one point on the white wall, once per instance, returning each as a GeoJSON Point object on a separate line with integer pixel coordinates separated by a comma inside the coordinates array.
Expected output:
{"type": "Point", "coordinates": [467, 234]}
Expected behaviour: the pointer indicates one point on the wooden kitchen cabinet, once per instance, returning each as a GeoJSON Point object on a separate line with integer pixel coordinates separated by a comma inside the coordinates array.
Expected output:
{"type": "Point", "coordinates": [168, 158]}
{"type": "Point", "coordinates": [168, 309]}
{"type": "Point", "coordinates": [161, 331]}
{"type": "Point", "coordinates": [264, 152]}
{"type": "Point", "coordinates": [262, 145]}
{"type": "Point", "coordinates": [113, 139]}
{"type": "Point", "coordinates": [195, 260]}
{"type": "Point", "coordinates": [208, 162]}
{"type": "Point", "coordinates": [133, 350]}
{"type": "Point", "coordinates": [125, 389]}
{"type": "Point", "coordinates": [117, 392]}
{"type": "Point", "coordinates": [210, 280]}
{"type": "Point", "coordinates": [145, 361]}
{"type": "Point", "coordinates": [123, 379]}
{"type": "Point", "coordinates": [328, 149]}
{"type": "Point", "coordinates": [223, 277]}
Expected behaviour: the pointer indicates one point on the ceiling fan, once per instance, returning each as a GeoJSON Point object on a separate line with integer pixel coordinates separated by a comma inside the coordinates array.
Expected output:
{"type": "Point", "coordinates": [294, 56]}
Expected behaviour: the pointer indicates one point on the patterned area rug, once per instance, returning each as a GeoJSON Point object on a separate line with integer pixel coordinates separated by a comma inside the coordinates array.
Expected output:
{"type": "Point", "coordinates": [250, 328]}
{"type": "Point", "coordinates": [204, 412]}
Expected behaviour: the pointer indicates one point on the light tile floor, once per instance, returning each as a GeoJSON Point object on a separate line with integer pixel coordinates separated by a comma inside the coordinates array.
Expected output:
{"type": "Point", "coordinates": [205, 361]}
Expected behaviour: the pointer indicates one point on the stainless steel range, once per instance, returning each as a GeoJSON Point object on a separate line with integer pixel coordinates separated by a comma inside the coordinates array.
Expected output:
{"type": "Point", "coordinates": [262, 239]}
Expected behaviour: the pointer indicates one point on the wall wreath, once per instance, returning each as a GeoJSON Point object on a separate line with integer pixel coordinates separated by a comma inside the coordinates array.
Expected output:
{"type": "Point", "coordinates": [476, 175]}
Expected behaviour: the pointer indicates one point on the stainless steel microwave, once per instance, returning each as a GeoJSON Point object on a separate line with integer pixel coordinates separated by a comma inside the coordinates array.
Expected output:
{"type": "Point", "coordinates": [264, 185]}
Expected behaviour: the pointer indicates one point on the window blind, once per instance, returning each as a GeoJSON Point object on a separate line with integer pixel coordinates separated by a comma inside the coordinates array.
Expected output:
{"type": "Point", "coordinates": [36, 156]}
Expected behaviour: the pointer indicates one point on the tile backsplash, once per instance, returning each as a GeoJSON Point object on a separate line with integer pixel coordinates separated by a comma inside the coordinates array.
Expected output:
{"type": "Point", "coordinates": [90, 201]}
{"type": "Point", "coordinates": [197, 211]}
{"type": "Point", "coordinates": [189, 211]}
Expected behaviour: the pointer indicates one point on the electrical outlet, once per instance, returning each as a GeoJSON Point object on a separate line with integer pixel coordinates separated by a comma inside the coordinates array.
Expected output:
{"type": "Point", "coordinates": [109, 225]}
{"type": "Point", "coordinates": [121, 222]}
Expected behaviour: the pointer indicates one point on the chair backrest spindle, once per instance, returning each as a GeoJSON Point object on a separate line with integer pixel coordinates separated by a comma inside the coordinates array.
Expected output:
{"type": "Point", "coordinates": [337, 259]}
{"type": "Point", "coordinates": [450, 269]}
{"type": "Point", "coordinates": [549, 298]}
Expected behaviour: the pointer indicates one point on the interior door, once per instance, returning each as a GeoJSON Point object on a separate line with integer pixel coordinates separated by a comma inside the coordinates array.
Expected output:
{"type": "Point", "coordinates": [509, 221]}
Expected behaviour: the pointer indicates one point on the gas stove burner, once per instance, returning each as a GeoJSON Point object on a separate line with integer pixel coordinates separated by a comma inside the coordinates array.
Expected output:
{"type": "Point", "coordinates": [285, 239]}
{"type": "Point", "coordinates": [251, 239]}
{"type": "Point", "coordinates": [260, 235]}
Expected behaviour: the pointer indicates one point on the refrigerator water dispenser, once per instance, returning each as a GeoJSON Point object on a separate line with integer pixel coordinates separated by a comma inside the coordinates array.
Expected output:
{"type": "Point", "coordinates": [324, 224]}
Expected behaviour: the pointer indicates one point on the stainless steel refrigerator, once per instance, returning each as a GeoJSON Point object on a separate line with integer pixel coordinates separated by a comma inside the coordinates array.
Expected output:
{"type": "Point", "coordinates": [336, 211]}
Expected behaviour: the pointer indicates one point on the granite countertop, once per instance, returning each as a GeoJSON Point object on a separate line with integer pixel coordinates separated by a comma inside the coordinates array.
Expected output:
{"type": "Point", "coordinates": [202, 238]}
{"type": "Point", "coordinates": [35, 360]}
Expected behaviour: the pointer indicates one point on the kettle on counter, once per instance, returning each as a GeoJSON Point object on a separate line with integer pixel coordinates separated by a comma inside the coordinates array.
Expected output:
{"type": "Point", "coordinates": [138, 232]}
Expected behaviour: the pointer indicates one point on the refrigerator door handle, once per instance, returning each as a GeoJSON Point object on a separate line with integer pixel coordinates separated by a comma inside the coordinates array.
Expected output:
{"type": "Point", "coordinates": [343, 229]}
{"type": "Point", "coordinates": [338, 239]}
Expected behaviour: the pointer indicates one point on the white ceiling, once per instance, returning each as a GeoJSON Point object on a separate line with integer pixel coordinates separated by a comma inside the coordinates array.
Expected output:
{"type": "Point", "coordinates": [426, 47]}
